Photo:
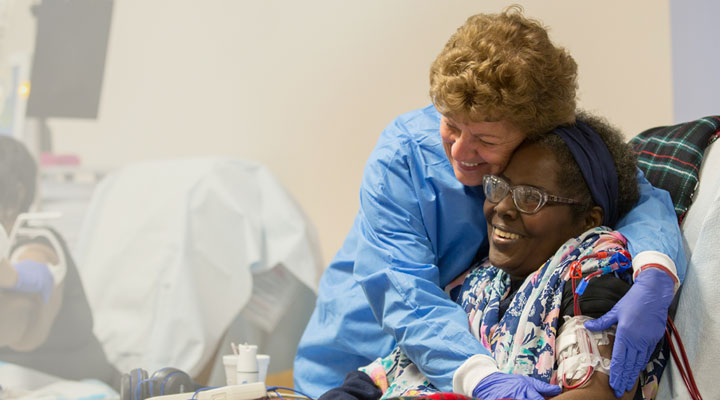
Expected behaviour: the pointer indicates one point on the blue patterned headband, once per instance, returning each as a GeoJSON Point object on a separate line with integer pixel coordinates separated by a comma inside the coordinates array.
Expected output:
{"type": "Point", "coordinates": [596, 164]}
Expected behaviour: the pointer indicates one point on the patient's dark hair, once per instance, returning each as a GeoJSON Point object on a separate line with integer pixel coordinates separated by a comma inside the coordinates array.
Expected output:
{"type": "Point", "coordinates": [17, 170]}
{"type": "Point", "coordinates": [572, 181]}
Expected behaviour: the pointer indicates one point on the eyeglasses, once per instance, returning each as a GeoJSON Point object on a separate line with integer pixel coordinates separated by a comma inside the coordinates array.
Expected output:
{"type": "Point", "coordinates": [527, 199]}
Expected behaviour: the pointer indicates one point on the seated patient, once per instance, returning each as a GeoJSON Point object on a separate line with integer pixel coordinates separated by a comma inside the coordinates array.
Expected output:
{"type": "Point", "coordinates": [45, 320]}
{"type": "Point", "coordinates": [545, 225]}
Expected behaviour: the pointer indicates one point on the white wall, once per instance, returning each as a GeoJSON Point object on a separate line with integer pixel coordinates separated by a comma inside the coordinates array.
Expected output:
{"type": "Point", "coordinates": [306, 87]}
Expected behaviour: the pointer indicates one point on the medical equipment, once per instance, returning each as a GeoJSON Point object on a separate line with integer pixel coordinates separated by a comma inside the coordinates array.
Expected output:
{"type": "Point", "coordinates": [245, 372]}
{"type": "Point", "coordinates": [275, 394]}
{"type": "Point", "coordinates": [578, 353]}
{"type": "Point", "coordinates": [247, 391]}
{"type": "Point", "coordinates": [619, 262]}
{"type": "Point", "coordinates": [136, 385]}
{"type": "Point", "coordinates": [577, 347]}
{"type": "Point", "coordinates": [173, 384]}
{"type": "Point", "coordinates": [681, 361]}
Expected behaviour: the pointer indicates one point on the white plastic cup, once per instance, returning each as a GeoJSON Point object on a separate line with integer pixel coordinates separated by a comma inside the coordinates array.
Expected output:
{"type": "Point", "coordinates": [230, 363]}
{"type": "Point", "coordinates": [247, 364]}
{"type": "Point", "coordinates": [263, 361]}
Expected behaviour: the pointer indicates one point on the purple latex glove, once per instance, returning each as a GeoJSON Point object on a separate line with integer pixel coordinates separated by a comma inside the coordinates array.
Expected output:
{"type": "Point", "coordinates": [33, 277]}
{"type": "Point", "coordinates": [640, 316]}
{"type": "Point", "coordinates": [507, 386]}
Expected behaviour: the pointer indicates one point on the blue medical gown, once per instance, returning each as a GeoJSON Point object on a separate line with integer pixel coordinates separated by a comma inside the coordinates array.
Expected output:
{"type": "Point", "coordinates": [417, 229]}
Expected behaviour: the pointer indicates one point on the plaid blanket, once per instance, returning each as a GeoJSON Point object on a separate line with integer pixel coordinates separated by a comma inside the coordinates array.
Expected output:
{"type": "Point", "coordinates": [670, 157]}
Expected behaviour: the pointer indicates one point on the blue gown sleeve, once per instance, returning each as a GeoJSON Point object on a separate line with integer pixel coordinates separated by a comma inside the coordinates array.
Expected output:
{"type": "Point", "coordinates": [395, 265]}
{"type": "Point", "coordinates": [652, 225]}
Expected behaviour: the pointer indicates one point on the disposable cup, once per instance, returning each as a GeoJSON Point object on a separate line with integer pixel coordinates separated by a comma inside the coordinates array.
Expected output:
{"type": "Point", "coordinates": [230, 363]}
{"type": "Point", "coordinates": [263, 361]}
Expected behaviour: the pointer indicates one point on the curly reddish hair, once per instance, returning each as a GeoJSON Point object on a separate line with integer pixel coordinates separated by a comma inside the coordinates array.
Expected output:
{"type": "Point", "coordinates": [504, 67]}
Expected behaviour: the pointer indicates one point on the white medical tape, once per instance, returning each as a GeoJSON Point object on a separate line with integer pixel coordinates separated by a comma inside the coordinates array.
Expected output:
{"type": "Point", "coordinates": [577, 349]}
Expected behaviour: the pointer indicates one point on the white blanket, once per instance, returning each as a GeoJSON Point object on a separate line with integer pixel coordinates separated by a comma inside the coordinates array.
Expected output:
{"type": "Point", "coordinates": [698, 313]}
{"type": "Point", "coordinates": [168, 251]}
{"type": "Point", "coordinates": [21, 383]}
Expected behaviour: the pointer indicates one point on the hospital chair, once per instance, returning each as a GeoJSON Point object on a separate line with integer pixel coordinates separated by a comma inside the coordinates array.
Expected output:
{"type": "Point", "coordinates": [179, 258]}
{"type": "Point", "coordinates": [697, 203]}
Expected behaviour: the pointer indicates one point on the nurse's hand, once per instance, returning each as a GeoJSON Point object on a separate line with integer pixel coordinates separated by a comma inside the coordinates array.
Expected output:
{"type": "Point", "coordinates": [507, 386]}
{"type": "Point", "coordinates": [640, 316]}
{"type": "Point", "coordinates": [33, 277]}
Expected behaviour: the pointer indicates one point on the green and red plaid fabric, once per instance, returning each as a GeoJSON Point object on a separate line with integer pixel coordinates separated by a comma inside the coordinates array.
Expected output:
{"type": "Point", "coordinates": [671, 156]}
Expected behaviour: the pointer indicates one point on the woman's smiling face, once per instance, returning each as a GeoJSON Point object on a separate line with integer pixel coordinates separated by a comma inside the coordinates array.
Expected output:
{"type": "Point", "coordinates": [478, 148]}
{"type": "Point", "coordinates": [521, 243]}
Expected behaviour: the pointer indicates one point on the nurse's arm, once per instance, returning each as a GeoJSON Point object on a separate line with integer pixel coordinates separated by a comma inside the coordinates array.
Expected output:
{"type": "Point", "coordinates": [396, 267]}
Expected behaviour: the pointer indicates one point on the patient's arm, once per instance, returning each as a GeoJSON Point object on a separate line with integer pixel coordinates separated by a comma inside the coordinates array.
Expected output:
{"type": "Point", "coordinates": [37, 252]}
{"type": "Point", "coordinates": [8, 274]}
{"type": "Point", "coordinates": [600, 295]}
{"type": "Point", "coordinates": [598, 387]}
{"type": "Point", "coordinates": [31, 317]}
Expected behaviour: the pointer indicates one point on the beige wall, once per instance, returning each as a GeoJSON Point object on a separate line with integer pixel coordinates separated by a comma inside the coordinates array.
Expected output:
{"type": "Point", "coordinates": [305, 87]}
